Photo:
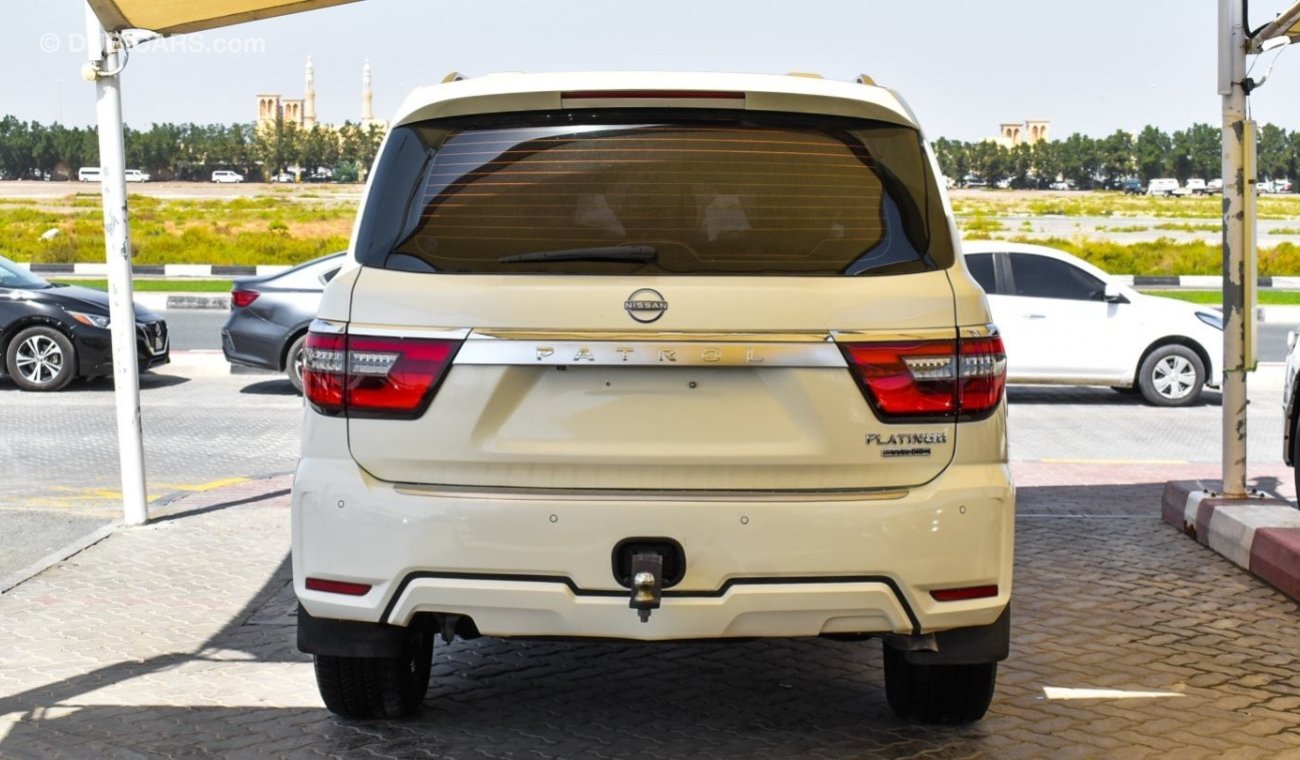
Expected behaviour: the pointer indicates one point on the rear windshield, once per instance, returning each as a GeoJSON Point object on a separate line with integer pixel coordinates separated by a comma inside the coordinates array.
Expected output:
{"type": "Point", "coordinates": [651, 192]}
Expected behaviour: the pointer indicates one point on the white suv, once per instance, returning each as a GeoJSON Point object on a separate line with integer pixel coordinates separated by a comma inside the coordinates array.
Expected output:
{"type": "Point", "coordinates": [655, 357]}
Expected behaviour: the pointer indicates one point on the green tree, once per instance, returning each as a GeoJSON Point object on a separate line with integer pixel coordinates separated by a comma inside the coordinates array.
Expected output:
{"type": "Point", "coordinates": [1273, 154]}
{"type": "Point", "coordinates": [990, 161]}
{"type": "Point", "coordinates": [1116, 153]}
{"type": "Point", "coordinates": [1152, 153]}
{"type": "Point", "coordinates": [1080, 160]}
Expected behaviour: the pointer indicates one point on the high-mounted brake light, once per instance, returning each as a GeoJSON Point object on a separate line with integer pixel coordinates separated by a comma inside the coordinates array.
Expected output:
{"type": "Point", "coordinates": [652, 95]}
{"type": "Point", "coordinates": [930, 378]}
{"type": "Point", "coordinates": [365, 376]}
{"type": "Point", "coordinates": [242, 298]}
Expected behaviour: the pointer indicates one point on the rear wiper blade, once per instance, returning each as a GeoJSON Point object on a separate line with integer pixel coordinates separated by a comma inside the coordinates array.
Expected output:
{"type": "Point", "coordinates": [640, 253]}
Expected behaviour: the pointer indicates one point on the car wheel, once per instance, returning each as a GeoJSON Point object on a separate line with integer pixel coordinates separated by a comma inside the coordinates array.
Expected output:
{"type": "Point", "coordinates": [1171, 376]}
{"type": "Point", "coordinates": [293, 361]}
{"type": "Point", "coordinates": [1295, 454]}
{"type": "Point", "coordinates": [377, 687]}
{"type": "Point", "coordinates": [944, 694]}
{"type": "Point", "coordinates": [41, 359]}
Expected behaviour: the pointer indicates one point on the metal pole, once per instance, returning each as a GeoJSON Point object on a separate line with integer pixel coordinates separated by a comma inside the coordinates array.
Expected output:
{"type": "Point", "coordinates": [105, 58]}
{"type": "Point", "coordinates": [1232, 70]}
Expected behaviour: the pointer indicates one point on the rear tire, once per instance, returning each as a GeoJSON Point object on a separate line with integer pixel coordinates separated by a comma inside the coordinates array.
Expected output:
{"type": "Point", "coordinates": [1171, 375]}
{"type": "Point", "coordinates": [41, 359]}
{"type": "Point", "coordinates": [293, 359]}
{"type": "Point", "coordinates": [942, 694]}
{"type": "Point", "coordinates": [377, 687]}
{"type": "Point", "coordinates": [1295, 454]}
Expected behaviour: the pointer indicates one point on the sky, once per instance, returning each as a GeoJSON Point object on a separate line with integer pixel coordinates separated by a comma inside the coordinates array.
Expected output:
{"type": "Point", "coordinates": [965, 66]}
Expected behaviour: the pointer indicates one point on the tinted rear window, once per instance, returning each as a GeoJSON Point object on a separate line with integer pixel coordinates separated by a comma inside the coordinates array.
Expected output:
{"type": "Point", "coordinates": [621, 192]}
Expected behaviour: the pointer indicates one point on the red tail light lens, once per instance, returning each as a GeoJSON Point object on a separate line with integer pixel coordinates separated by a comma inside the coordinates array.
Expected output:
{"type": "Point", "coordinates": [363, 376]}
{"type": "Point", "coordinates": [242, 298]}
{"type": "Point", "coordinates": [931, 378]}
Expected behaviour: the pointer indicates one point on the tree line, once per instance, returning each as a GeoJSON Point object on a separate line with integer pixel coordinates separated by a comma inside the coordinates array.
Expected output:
{"type": "Point", "coordinates": [31, 150]}
{"type": "Point", "coordinates": [1088, 162]}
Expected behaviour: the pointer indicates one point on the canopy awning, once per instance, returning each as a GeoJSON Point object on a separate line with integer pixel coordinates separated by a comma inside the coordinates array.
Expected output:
{"type": "Point", "coordinates": [170, 17]}
{"type": "Point", "coordinates": [1286, 25]}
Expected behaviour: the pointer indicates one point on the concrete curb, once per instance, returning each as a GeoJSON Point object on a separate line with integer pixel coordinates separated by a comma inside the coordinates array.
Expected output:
{"type": "Point", "coordinates": [1260, 535]}
{"type": "Point", "coordinates": [162, 270]}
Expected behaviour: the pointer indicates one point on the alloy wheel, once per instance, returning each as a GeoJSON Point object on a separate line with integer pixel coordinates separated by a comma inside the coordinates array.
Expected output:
{"type": "Point", "coordinates": [39, 359]}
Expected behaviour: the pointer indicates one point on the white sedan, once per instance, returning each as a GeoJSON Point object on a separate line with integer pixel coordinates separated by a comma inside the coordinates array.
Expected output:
{"type": "Point", "coordinates": [1064, 321]}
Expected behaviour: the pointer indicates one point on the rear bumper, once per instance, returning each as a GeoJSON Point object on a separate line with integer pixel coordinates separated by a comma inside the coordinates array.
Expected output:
{"type": "Point", "coordinates": [540, 565]}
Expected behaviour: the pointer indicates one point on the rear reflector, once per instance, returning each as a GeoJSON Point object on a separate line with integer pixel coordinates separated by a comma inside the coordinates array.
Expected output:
{"type": "Point", "coordinates": [364, 376]}
{"type": "Point", "coordinates": [962, 594]}
{"type": "Point", "coordinates": [242, 298]}
{"type": "Point", "coordinates": [930, 378]}
{"type": "Point", "coordinates": [338, 587]}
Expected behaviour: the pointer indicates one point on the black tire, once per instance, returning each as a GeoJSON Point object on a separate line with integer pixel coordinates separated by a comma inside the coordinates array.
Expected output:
{"type": "Point", "coordinates": [1171, 375]}
{"type": "Point", "coordinates": [1295, 453]}
{"type": "Point", "coordinates": [293, 362]}
{"type": "Point", "coordinates": [41, 359]}
{"type": "Point", "coordinates": [942, 694]}
{"type": "Point", "coordinates": [377, 687]}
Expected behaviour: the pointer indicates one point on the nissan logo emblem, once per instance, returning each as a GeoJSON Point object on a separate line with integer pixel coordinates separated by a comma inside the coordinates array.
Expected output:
{"type": "Point", "coordinates": [645, 305]}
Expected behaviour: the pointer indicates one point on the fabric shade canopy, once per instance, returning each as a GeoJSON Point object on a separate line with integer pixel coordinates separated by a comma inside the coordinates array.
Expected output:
{"type": "Point", "coordinates": [1287, 24]}
{"type": "Point", "coordinates": [170, 17]}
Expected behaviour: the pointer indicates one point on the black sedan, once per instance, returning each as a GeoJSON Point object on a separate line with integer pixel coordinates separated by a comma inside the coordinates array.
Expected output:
{"type": "Point", "coordinates": [51, 333]}
{"type": "Point", "coordinates": [269, 316]}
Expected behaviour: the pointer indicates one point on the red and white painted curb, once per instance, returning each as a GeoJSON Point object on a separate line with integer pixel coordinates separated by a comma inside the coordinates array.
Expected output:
{"type": "Point", "coordinates": [1261, 535]}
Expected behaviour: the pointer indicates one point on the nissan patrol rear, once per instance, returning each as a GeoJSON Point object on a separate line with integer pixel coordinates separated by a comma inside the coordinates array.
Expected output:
{"type": "Point", "coordinates": [654, 357]}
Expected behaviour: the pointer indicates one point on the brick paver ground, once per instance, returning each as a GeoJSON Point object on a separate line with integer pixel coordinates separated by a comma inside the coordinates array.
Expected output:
{"type": "Point", "coordinates": [176, 639]}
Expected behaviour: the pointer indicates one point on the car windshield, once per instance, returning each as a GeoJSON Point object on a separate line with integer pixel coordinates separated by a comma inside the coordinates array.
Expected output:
{"type": "Point", "coordinates": [672, 193]}
{"type": "Point", "coordinates": [14, 276]}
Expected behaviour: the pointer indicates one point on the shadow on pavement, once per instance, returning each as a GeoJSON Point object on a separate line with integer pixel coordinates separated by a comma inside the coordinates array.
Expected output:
{"type": "Point", "coordinates": [279, 387]}
{"type": "Point", "coordinates": [148, 381]}
{"type": "Point", "coordinates": [1022, 395]}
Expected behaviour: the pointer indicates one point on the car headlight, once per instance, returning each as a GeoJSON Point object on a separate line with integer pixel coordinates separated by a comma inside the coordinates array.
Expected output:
{"type": "Point", "coordinates": [90, 320]}
{"type": "Point", "coordinates": [1212, 318]}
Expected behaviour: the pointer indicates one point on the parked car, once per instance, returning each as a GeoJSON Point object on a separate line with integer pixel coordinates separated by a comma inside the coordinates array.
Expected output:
{"type": "Point", "coordinates": [51, 333]}
{"type": "Point", "coordinates": [89, 174]}
{"type": "Point", "coordinates": [226, 176]}
{"type": "Point", "coordinates": [269, 316]}
{"type": "Point", "coordinates": [1064, 321]}
{"type": "Point", "coordinates": [1291, 406]}
{"type": "Point", "coordinates": [135, 175]}
{"type": "Point", "coordinates": [564, 395]}
{"type": "Point", "coordinates": [1166, 186]}
{"type": "Point", "coordinates": [1196, 186]}
{"type": "Point", "coordinates": [1131, 186]}
{"type": "Point", "coordinates": [282, 177]}
{"type": "Point", "coordinates": [1214, 186]}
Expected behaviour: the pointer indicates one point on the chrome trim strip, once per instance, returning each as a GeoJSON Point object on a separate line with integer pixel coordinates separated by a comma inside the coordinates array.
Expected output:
{"type": "Point", "coordinates": [437, 333]}
{"type": "Point", "coordinates": [643, 353]}
{"type": "Point", "coordinates": [327, 326]}
{"type": "Point", "coordinates": [671, 337]}
{"type": "Point", "coordinates": [594, 494]}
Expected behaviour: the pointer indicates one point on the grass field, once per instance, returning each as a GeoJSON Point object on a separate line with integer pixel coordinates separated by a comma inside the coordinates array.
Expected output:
{"type": "Point", "coordinates": [261, 229]}
{"type": "Point", "coordinates": [173, 285]}
{"type": "Point", "coordinates": [1215, 297]}
{"type": "Point", "coordinates": [274, 226]}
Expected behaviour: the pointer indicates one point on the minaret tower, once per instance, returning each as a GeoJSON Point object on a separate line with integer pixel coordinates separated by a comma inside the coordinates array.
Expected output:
{"type": "Point", "coordinates": [309, 98]}
{"type": "Point", "coordinates": [367, 113]}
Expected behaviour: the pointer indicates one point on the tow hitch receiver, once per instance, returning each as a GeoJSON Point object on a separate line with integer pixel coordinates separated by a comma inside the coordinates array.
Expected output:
{"type": "Point", "coordinates": [647, 583]}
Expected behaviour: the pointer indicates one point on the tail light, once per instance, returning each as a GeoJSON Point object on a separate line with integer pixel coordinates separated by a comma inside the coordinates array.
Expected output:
{"type": "Point", "coordinates": [930, 378]}
{"type": "Point", "coordinates": [363, 376]}
{"type": "Point", "coordinates": [242, 298]}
